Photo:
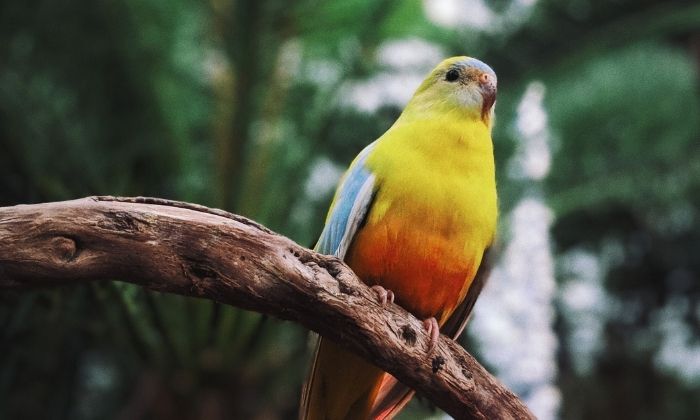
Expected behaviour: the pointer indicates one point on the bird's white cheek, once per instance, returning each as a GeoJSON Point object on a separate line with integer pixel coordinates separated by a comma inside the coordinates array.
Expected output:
{"type": "Point", "coordinates": [469, 98]}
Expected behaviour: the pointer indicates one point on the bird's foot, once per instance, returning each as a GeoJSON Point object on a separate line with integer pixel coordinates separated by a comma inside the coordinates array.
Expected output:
{"type": "Point", "coordinates": [384, 295]}
{"type": "Point", "coordinates": [433, 330]}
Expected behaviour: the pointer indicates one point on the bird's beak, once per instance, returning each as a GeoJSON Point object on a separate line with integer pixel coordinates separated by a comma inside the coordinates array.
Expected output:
{"type": "Point", "coordinates": [487, 82]}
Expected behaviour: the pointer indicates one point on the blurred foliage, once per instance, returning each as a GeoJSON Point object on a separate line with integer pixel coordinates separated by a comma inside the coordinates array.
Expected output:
{"type": "Point", "coordinates": [233, 103]}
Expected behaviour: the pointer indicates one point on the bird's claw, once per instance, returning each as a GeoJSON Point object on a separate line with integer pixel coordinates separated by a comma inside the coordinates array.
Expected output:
{"type": "Point", "coordinates": [384, 295]}
{"type": "Point", "coordinates": [433, 330]}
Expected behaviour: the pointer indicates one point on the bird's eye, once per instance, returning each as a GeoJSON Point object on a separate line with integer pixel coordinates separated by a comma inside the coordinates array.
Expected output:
{"type": "Point", "coordinates": [452, 75]}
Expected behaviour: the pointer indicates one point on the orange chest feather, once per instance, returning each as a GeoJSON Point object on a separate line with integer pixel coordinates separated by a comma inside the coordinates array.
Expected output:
{"type": "Point", "coordinates": [428, 268]}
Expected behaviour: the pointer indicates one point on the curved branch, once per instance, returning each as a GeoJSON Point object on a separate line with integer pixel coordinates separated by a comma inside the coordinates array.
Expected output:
{"type": "Point", "coordinates": [195, 251]}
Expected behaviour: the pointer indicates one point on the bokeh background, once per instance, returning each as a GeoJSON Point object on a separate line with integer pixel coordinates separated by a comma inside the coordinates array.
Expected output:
{"type": "Point", "coordinates": [257, 106]}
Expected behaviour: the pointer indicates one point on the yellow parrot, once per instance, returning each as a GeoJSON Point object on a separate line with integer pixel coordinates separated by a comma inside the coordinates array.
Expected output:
{"type": "Point", "coordinates": [414, 217]}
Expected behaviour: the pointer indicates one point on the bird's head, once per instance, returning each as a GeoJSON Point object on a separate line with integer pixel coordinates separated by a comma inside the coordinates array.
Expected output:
{"type": "Point", "coordinates": [462, 84]}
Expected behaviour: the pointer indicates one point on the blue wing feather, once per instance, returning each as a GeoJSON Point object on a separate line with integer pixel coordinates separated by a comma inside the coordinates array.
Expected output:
{"type": "Point", "coordinates": [350, 205]}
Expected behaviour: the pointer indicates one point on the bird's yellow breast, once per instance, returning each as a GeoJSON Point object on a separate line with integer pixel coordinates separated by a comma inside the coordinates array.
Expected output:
{"type": "Point", "coordinates": [433, 215]}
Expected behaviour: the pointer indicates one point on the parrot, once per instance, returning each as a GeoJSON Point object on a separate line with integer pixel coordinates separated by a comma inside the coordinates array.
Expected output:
{"type": "Point", "coordinates": [415, 218]}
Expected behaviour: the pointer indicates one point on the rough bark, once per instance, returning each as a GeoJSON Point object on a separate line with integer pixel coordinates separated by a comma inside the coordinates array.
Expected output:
{"type": "Point", "coordinates": [195, 251]}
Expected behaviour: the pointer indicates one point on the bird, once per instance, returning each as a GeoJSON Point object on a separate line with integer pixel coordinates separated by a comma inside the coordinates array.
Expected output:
{"type": "Point", "coordinates": [415, 218]}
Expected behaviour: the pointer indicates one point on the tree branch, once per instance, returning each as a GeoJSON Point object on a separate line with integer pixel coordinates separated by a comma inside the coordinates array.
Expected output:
{"type": "Point", "coordinates": [192, 250]}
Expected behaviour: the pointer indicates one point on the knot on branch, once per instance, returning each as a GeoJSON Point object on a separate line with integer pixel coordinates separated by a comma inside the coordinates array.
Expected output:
{"type": "Point", "coordinates": [409, 335]}
{"type": "Point", "coordinates": [200, 274]}
{"type": "Point", "coordinates": [438, 361]}
{"type": "Point", "coordinates": [346, 280]}
{"type": "Point", "coordinates": [330, 267]}
{"type": "Point", "coordinates": [64, 249]}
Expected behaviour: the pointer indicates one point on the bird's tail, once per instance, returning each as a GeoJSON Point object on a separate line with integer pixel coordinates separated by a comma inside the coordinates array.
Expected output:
{"type": "Point", "coordinates": [343, 386]}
